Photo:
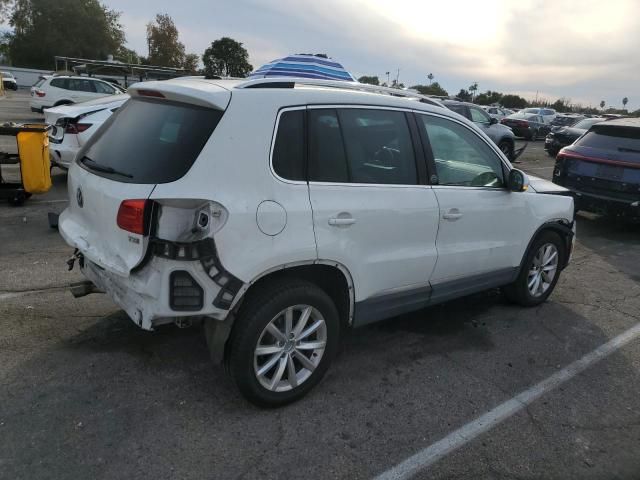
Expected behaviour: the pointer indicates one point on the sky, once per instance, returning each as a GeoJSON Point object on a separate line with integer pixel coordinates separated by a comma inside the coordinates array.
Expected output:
{"type": "Point", "coordinates": [583, 50]}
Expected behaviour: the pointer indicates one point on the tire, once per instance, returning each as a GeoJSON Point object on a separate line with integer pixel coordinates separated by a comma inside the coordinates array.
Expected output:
{"type": "Point", "coordinates": [18, 199]}
{"type": "Point", "coordinates": [534, 136]}
{"type": "Point", "coordinates": [265, 310]}
{"type": "Point", "coordinates": [519, 291]}
{"type": "Point", "coordinates": [61, 103]}
{"type": "Point", "coordinates": [506, 147]}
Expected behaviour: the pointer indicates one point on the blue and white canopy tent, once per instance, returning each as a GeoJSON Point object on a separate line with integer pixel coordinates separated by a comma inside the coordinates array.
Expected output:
{"type": "Point", "coordinates": [304, 66]}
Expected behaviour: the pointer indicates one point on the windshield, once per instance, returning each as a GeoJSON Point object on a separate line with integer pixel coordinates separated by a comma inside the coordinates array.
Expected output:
{"type": "Point", "coordinates": [532, 110]}
{"type": "Point", "coordinates": [150, 141]}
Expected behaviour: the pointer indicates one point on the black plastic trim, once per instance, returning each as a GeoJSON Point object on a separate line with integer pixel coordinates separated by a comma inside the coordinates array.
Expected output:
{"type": "Point", "coordinates": [172, 297]}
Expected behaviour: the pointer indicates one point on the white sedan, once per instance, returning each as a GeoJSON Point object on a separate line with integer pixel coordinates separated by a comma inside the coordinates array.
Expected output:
{"type": "Point", "coordinates": [75, 124]}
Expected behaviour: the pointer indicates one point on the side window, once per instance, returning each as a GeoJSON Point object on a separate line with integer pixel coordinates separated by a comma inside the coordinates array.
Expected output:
{"type": "Point", "coordinates": [81, 85]}
{"type": "Point", "coordinates": [59, 83]}
{"type": "Point", "coordinates": [102, 87]}
{"type": "Point", "coordinates": [378, 146]}
{"type": "Point", "coordinates": [289, 149]}
{"type": "Point", "coordinates": [461, 157]}
{"type": "Point", "coordinates": [327, 159]}
{"type": "Point", "coordinates": [479, 116]}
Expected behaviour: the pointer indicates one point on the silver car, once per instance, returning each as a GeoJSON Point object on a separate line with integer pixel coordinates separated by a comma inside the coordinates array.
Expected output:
{"type": "Point", "coordinates": [501, 135]}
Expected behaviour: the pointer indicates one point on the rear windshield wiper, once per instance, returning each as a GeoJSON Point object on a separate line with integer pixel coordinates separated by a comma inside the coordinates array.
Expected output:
{"type": "Point", "coordinates": [628, 150]}
{"type": "Point", "coordinates": [98, 167]}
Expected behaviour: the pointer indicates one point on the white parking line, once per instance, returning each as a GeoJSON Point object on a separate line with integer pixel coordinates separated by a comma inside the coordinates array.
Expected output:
{"type": "Point", "coordinates": [492, 418]}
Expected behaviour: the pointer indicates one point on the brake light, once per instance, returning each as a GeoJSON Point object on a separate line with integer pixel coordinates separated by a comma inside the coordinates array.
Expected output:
{"type": "Point", "coordinates": [40, 93]}
{"type": "Point", "coordinates": [133, 216]}
{"type": "Point", "coordinates": [150, 93]}
{"type": "Point", "coordinates": [75, 128]}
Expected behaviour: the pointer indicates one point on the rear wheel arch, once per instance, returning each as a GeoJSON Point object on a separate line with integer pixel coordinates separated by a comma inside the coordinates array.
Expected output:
{"type": "Point", "coordinates": [332, 277]}
{"type": "Point", "coordinates": [62, 102]}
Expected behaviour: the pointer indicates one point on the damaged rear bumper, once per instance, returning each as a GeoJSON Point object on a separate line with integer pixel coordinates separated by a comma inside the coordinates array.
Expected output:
{"type": "Point", "coordinates": [145, 295]}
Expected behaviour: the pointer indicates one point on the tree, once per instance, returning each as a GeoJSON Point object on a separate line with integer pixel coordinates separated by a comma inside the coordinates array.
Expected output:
{"type": "Point", "coordinates": [464, 95]}
{"type": "Point", "coordinates": [432, 89]}
{"type": "Point", "coordinates": [127, 55]}
{"type": "Point", "coordinates": [602, 104]}
{"type": "Point", "coordinates": [164, 47]}
{"type": "Point", "coordinates": [430, 78]}
{"type": "Point", "coordinates": [370, 80]}
{"type": "Point", "coordinates": [473, 89]}
{"type": "Point", "coordinates": [625, 100]}
{"type": "Point", "coordinates": [488, 98]}
{"type": "Point", "coordinates": [74, 28]}
{"type": "Point", "coordinates": [513, 101]}
{"type": "Point", "coordinates": [396, 84]}
{"type": "Point", "coordinates": [191, 62]}
{"type": "Point", "coordinates": [226, 58]}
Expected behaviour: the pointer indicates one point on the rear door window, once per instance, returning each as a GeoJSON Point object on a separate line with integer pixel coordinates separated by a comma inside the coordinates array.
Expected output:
{"type": "Point", "coordinates": [357, 145]}
{"type": "Point", "coordinates": [378, 146]}
{"type": "Point", "coordinates": [148, 141]}
{"type": "Point", "coordinates": [327, 158]}
{"type": "Point", "coordinates": [59, 83]}
{"type": "Point", "coordinates": [81, 85]}
{"type": "Point", "coordinates": [479, 116]}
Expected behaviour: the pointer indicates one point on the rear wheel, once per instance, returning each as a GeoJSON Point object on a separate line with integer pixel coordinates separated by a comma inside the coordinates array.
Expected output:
{"type": "Point", "coordinates": [540, 271]}
{"type": "Point", "coordinates": [534, 135]}
{"type": "Point", "coordinates": [283, 342]}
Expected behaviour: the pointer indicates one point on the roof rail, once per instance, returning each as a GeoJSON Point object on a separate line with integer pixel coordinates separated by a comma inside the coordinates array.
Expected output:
{"type": "Point", "coordinates": [287, 82]}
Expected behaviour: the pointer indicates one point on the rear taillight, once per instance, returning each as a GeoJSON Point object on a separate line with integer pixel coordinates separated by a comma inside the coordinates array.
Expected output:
{"type": "Point", "coordinates": [75, 128]}
{"type": "Point", "coordinates": [40, 93]}
{"type": "Point", "coordinates": [134, 216]}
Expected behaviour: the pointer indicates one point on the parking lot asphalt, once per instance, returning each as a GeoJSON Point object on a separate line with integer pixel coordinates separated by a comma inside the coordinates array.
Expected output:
{"type": "Point", "coordinates": [85, 394]}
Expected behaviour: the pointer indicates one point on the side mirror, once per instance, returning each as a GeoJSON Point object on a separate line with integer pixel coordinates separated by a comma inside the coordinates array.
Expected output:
{"type": "Point", "coordinates": [518, 181]}
{"type": "Point", "coordinates": [493, 121]}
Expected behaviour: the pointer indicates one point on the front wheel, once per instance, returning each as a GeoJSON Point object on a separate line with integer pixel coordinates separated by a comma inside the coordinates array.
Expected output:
{"type": "Point", "coordinates": [283, 342]}
{"type": "Point", "coordinates": [540, 271]}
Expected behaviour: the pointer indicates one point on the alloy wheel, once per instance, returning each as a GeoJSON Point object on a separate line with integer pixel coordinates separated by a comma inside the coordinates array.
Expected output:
{"type": "Point", "coordinates": [290, 348]}
{"type": "Point", "coordinates": [543, 270]}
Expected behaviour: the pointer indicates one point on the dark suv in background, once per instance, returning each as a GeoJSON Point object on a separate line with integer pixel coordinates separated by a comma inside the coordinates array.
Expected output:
{"type": "Point", "coordinates": [565, 136]}
{"type": "Point", "coordinates": [602, 168]}
{"type": "Point", "coordinates": [502, 136]}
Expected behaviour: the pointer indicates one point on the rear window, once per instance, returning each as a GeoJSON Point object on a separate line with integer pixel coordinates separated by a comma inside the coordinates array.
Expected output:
{"type": "Point", "coordinates": [149, 141]}
{"type": "Point", "coordinates": [619, 139]}
{"type": "Point", "coordinates": [39, 82]}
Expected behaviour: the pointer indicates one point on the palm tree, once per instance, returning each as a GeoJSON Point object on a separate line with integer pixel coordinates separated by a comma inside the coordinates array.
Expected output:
{"type": "Point", "coordinates": [473, 89]}
{"type": "Point", "coordinates": [625, 100]}
{"type": "Point", "coordinates": [602, 104]}
{"type": "Point", "coordinates": [430, 77]}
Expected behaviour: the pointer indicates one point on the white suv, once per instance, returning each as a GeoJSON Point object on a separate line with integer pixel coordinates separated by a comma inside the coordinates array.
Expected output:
{"type": "Point", "coordinates": [281, 212]}
{"type": "Point", "coordinates": [64, 90]}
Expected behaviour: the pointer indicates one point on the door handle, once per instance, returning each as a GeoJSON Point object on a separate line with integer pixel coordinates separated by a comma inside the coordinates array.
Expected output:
{"type": "Point", "coordinates": [338, 222]}
{"type": "Point", "coordinates": [452, 215]}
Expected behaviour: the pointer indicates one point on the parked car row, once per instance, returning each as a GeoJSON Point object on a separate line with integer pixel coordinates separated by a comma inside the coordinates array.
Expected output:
{"type": "Point", "coordinates": [232, 202]}
{"type": "Point", "coordinates": [526, 124]}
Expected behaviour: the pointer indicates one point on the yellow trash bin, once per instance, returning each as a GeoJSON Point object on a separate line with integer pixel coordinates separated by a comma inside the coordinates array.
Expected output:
{"type": "Point", "coordinates": [33, 149]}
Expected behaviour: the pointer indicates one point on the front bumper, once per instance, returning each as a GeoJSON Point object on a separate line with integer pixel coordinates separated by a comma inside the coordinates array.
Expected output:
{"type": "Point", "coordinates": [145, 294]}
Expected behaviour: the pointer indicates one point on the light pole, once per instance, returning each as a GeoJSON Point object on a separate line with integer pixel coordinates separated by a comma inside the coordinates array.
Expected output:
{"type": "Point", "coordinates": [388, 79]}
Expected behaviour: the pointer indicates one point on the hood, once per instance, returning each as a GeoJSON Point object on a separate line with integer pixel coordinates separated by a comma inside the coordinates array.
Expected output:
{"type": "Point", "coordinates": [540, 185]}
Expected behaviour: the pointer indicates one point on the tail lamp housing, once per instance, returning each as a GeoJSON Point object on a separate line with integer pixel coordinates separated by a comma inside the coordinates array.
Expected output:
{"type": "Point", "coordinates": [134, 216]}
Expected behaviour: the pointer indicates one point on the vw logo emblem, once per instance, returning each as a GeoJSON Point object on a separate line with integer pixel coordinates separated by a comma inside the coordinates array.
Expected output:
{"type": "Point", "coordinates": [79, 198]}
